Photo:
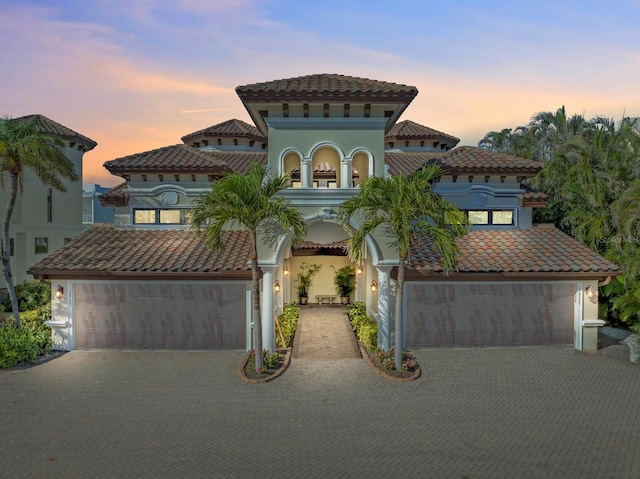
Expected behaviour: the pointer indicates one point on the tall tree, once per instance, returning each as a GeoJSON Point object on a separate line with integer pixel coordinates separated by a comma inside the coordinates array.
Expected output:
{"type": "Point", "coordinates": [25, 147]}
{"type": "Point", "coordinates": [251, 202]}
{"type": "Point", "coordinates": [405, 208]}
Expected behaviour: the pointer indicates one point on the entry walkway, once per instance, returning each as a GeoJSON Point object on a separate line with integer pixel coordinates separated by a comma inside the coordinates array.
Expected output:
{"type": "Point", "coordinates": [324, 332]}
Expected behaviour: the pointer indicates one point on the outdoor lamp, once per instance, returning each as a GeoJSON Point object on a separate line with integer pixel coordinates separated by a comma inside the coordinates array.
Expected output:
{"type": "Point", "coordinates": [359, 270]}
{"type": "Point", "coordinates": [286, 271]}
{"type": "Point", "coordinates": [591, 294]}
{"type": "Point", "coordinates": [277, 286]}
{"type": "Point", "coordinates": [59, 292]}
{"type": "Point", "coordinates": [374, 286]}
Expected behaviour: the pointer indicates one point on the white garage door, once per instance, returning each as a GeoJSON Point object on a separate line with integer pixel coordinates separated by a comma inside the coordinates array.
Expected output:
{"type": "Point", "coordinates": [160, 315]}
{"type": "Point", "coordinates": [489, 314]}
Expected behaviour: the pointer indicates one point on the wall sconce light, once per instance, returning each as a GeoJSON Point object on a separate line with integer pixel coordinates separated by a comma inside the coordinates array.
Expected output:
{"type": "Point", "coordinates": [374, 286]}
{"type": "Point", "coordinates": [359, 269]}
{"type": "Point", "coordinates": [591, 294]}
{"type": "Point", "coordinates": [277, 286]}
{"type": "Point", "coordinates": [286, 271]}
{"type": "Point", "coordinates": [59, 292]}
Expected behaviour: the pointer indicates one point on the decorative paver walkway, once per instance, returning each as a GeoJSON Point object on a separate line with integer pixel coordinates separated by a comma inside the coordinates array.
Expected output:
{"type": "Point", "coordinates": [324, 332]}
{"type": "Point", "coordinates": [475, 413]}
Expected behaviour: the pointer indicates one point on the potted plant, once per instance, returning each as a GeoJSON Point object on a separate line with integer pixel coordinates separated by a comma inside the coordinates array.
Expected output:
{"type": "Point", "coordinates": [304, 280]}
{"type": "Point", "coordinates": [345, 281]}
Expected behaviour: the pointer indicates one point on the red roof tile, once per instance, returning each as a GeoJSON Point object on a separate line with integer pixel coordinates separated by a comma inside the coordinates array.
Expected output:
{"type": "Point", "coordinates": [327, 87]}
{"type": "Point", "coordinates": [463, 160]}
{"type": "Point", "coordinates": [543, 249]}
{"type": "Point", "coordinates": [239, 161]}
{"type": "Point", "coordinates": [49, 126]}
{"type": "Point", "coordinates": [115, 196]}
{"type": "Point", "coordinates": [409, 130]}
{"type": "Point", "coordinates": [230, 128]}
{"type": "Point", "coordinates": [336, 245]}
{"type": "Point", "coordinates": [175, 158]}
{"type": "Point", "coordinates": [104, 249]}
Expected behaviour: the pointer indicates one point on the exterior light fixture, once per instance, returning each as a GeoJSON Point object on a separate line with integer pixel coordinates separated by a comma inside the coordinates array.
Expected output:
{"type": "Point", "coordinates": [286, 271]}
{"type": "Point", "coordinates": [277, 286]}
{"type": "Point", "coordinates": [374, 286]}
{"type": "Point", "coordinates": [59, 292]}
{"type": "Point", "coordinates": [359, 269]}
{"type": "Point", "coordinates": [591, 294]}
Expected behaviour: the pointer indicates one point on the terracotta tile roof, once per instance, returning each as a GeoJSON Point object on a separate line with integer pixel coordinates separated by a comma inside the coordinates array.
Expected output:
{"type": "Point", "coordinates": [104, 249]}
{"type": "Point", "coordinates": [230, 128]}
{"type": "Point", "coordinates": [49, 126]}
{"type": "Point", "coordinates": [239, 161]}
{"type": "Point", "coordinates": [464, 160]}
{"type": "Point", "coordinates": [326, 87]}
{"type": "Point", "coordinates": [336, 245]}
{"type": "Point", "coordinates": [175, 158]}
{"type": "Point", "coordinates": [409, 130]}
{"type": "Point", "coordinates": [531, 198]}
{"type": "Point", "coordinates": [115, 196]}
{"type": "Point", "coordinates": [541, 249]}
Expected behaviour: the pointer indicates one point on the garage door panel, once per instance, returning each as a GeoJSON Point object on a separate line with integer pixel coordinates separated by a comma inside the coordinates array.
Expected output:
{"type": "Point", "coordinates": [489, 314]}
{"type": "Point", "coordinates": [191, 316]}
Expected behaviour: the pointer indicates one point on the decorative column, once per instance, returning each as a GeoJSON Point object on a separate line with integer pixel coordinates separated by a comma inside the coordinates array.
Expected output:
{"type": "Point", "coordinates": [268, 320]}
{"type": "Point", "coordinates": [384, 307]}
{"type": "Point", "coordinates": [306, 174]}
{"type": "Point", "coordinates": [346, 174]}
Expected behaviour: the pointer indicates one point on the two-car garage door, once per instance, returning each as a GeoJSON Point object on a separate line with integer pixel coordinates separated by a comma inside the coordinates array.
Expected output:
{"type": "Point", "coordinates": [487, 314]}
{"type": "Point", "coordinates": [160, 315]}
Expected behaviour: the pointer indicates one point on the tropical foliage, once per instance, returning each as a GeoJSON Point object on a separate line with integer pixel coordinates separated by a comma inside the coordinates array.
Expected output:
{"type": "Point", "coordinates": [288, 323]}
{"type": "Point", "coordinates": [250, 202]}
{"type": "Point", "coordinates": [24, 147]}
{"type": "Point", "coordinates": [405, 209]}
{"type": "Point", "coordinates": [592, 176]}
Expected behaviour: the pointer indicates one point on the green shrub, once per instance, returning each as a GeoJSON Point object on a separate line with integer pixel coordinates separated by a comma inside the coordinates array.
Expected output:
{"type": "Point", "coordinates": [288, 321]}
{"type": "Point", "coordinates": [31, 295]}
{"type": "Point", "coordinates": [365, 327]}
{"type": "Point", "coordinates": [27, 342]}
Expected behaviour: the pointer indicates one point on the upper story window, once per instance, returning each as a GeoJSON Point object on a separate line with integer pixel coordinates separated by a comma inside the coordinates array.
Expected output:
{"type": "Point", "coordinates": [160, 216]}
{"type": "Point", "coordinates": [490, 217]}
{"type": "Point", "coordinates": [42, 245]}
{"type": "Point", "coordinates": [49, 205]}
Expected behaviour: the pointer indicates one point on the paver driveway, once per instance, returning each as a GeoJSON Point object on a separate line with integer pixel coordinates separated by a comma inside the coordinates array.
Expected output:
{"type": "Point", "coordinates": [477, 413]}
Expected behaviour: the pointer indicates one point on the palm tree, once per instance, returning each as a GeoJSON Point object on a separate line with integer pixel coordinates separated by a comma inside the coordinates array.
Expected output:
{"type": "Point", "coordinates": [407, 209]}
{"type": "Point", "coordinates": [25, 147]}
{"type": "Point", "coordinates": [251, 202]}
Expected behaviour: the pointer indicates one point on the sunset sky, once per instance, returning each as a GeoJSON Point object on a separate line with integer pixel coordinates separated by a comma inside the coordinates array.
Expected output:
{"type": "Point", "coordinates": [139, 74]}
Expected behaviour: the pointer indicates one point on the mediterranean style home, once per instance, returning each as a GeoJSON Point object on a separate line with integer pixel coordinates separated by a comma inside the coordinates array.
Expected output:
{"type": "Point", "coordinates": [148, 281]}
{"type": "Point", "coordinates": [45, 219]}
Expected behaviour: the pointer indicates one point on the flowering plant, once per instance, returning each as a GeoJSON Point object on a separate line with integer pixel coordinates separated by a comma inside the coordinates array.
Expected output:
{"type": "Point", "coordinates": [386, 359]}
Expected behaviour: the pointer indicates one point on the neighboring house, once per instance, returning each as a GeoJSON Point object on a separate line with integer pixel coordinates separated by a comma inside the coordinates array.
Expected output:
{"type": "Point", "coordinates": [147, 281]}
{"type": "Point", "coordinates": [92, 209]}
{"type": "Point", "coordinates": [45, 219]}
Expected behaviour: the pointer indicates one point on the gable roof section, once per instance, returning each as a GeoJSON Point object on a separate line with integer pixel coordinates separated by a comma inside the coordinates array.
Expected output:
{"type": "Point", "coordinates": [47, 125]}
{"type": "Point", "coordinates": [326, 87]}
{"type": "Point", "coordinates": [463, 160]}
{"type": "Point", "coordinates": [541, 249]}
{"type": "Point", "coordinates": [230, 129]}
{"type": "Point", "coordinates": [174, 158]}
{"type": "Point", "coordinates": [410, 130]}
{"type": "Point", "coordinates": [105, 251]}
{"type": "Point", "coordinates": [115, 196]}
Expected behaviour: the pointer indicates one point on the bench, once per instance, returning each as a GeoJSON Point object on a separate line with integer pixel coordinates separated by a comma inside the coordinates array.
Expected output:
{"type": "Point", "coordinates": [325, 298]}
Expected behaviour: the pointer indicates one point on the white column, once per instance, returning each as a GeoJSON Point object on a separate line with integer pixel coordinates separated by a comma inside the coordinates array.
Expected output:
{"type": "Point", "coordinates": [306, 175]}
{"type": "Point", "coordinates": [384, 307]}
{"type": "Point", "coordinates": [346, 174]}
{"type": "Point", "coordinates": [268, 321]}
